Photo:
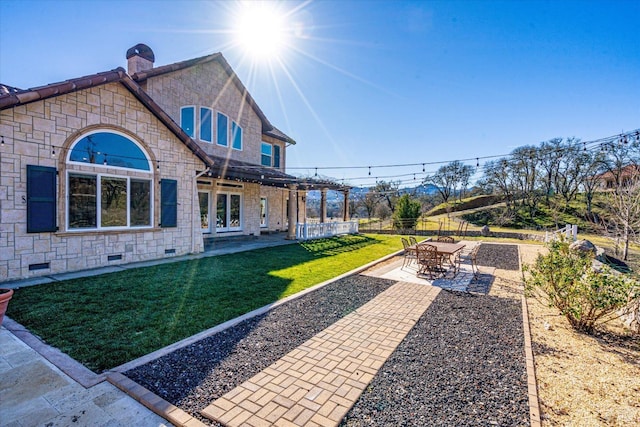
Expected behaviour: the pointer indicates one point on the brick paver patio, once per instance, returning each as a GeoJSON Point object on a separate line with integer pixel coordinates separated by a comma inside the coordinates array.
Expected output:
{"type": "Point", "coordinates": [317, 383]}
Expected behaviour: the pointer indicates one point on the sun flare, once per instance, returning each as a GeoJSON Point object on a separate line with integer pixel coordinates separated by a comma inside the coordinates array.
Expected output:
{"type": "Point", "coordinates": [261, 29]}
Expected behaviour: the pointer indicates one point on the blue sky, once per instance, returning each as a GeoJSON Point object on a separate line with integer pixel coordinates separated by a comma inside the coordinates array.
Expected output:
{"type": "Point", "coordinates": [372, 83]}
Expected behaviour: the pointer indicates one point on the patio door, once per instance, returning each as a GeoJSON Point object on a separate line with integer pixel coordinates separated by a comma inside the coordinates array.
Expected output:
{"type": "Point", "coordinates": [228, 212]}
{"type": "Point", "coordinates": [205, 211]}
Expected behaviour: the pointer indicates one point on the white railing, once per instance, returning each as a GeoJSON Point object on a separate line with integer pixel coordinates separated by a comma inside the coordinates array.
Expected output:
{"type": "Point", "coordinates": [308, 231]}
{"type": "Point", "coordinates": [570, 232]}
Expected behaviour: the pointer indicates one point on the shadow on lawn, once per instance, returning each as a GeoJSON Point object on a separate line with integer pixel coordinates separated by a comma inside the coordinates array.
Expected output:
{"type": "Point", "coordinates": [105, 321]}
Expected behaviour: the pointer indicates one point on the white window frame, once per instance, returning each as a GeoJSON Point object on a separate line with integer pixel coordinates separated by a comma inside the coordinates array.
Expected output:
{"type": "Point", "coordinates": [98, 177]}
{"type": "Point", "coordinates": [195, 119]}
{"type": "Point", "coordinates": [228, 195]}
{"type": "Point", "coordinates": [226, 138]}
{"type": "Point", "coordinates": [266, 144]}
{"type": "Point", "coordinates": [98, 170]}
{"type": "Point", "coordinates": [265, 223]}
{"type": "Point", "coordinates": [232, 135]}
{"type": "Point", "coordinates": [111, 167]}
{"type": "Point", "coordinates": [211, 115]}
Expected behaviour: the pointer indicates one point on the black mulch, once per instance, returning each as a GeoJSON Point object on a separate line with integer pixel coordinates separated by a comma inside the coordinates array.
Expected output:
{"type": "Point", "coordinates": [504, 257]}
{"type": "Point", "coordinates": [461, 365]}
{"type": "Point", "coordinates": [193, 377]}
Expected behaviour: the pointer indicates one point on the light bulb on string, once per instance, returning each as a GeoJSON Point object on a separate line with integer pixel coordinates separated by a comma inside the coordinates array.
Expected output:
{"type": "Point", "coordinates": [2, 143]}
{"type": "Point", "coordinates": [53, 152]}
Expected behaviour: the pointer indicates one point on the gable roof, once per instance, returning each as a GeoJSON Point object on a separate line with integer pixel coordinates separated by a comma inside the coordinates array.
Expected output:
{"type": "Point", "coordinates": [267, 127]}
{"type": "Point", "coordinates": [21, 97]}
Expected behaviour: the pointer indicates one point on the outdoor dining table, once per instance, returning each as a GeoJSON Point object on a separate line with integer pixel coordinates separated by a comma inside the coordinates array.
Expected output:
{"type": "Point", "coordinates": [446, 249]}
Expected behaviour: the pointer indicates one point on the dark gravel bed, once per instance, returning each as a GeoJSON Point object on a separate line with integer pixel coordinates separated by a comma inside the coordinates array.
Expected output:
{"type": "Point", "coordinates": [193, 377]}
{"type": "Point", "coordinates": [504, 257]}
{"type": "Point", "coordinates": [461, 365]}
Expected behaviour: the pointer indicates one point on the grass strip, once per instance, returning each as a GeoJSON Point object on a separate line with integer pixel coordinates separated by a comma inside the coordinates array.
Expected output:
{"type": "Point", "coordinates": [104, 321]}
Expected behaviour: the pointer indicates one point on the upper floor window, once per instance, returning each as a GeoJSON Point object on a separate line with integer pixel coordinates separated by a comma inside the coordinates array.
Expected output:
{"type": "Point", "coordinates": [109, 149]}
{"type": "Point", "coordinates": [188, 120]}
{"type": "Point", "coordinates": [236, 136]}
{"type": "Point", "coordinates": [222, 128]}
{"type": "Point", "coordinates": [270, 155]}
{"type": "Point", "coordinates": [206, 124]}
{"type": "Point", "coordinates": [266, 154]}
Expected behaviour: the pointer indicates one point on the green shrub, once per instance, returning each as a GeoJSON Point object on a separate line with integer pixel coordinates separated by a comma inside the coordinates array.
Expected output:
{"type": "Point", "coordinates": [407, 212]}
{"type": "Point", "coordinates": [586, 296]}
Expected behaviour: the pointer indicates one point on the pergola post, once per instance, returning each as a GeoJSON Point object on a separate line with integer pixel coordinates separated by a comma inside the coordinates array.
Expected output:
{"type": "Point", "coordinates": [293, 212]}
{"type": "Point", "coordinates": [302, 205]}
{"type": "Point", "coordinates": [323, 205]}
{"type": "Point", "coordinates": [345, 215]}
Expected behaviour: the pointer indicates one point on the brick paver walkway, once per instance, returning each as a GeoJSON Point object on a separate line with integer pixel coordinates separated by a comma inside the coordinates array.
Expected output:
{"type": "Point", "coordinates": [317, 383]}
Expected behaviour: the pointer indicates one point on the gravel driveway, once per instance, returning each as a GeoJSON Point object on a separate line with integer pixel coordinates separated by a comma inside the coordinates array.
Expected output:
{"type": "Point", "coordinates": [462, 364]}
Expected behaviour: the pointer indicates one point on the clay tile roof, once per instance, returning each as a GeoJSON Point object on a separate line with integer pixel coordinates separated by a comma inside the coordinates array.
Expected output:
{"type": "Point", "coordinates": [267, 127]}
{"type": "Point", "coordinates": [12, 99]}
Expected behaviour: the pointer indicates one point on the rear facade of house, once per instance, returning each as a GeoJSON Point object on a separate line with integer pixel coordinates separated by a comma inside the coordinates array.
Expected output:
{"type": "Point", "coordinates": [119, 167]}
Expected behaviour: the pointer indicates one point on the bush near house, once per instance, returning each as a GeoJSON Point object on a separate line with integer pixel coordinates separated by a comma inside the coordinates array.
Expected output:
{"type": "Point", "coordinates": [586, 296]}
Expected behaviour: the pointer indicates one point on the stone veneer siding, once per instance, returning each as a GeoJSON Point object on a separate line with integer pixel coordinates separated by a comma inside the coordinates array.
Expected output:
{"type": "Point", "coordinates": [208, 85]}
{"type": "Point", "coordinates": [30, 131]}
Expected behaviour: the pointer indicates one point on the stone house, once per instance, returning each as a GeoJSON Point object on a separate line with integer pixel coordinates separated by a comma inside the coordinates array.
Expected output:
{"type": "Point", "coordinates": [124, 166]}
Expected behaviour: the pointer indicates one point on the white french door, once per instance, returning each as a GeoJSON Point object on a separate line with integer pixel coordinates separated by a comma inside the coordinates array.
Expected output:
{"type": "Point", "coordinates": [204, 198]}
{"type": "Point", "coordinates": [228, 212]}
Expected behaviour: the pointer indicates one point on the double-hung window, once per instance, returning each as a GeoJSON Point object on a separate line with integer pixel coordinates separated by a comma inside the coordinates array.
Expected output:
{"type": "Point", "coordinates": [266, 154]}
{"type": "Point", "coordinates": [115, 191]}
{"type": "Point", "coordinates": [270, 155]}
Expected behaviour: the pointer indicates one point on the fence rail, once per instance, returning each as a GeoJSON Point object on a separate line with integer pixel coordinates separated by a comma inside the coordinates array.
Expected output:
{"type": "Point", "coordinates": [570, 231]}
{"type": "Point", "coordinates": [308, 231]}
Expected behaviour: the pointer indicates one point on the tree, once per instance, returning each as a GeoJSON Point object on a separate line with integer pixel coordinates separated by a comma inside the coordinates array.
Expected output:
{"type": "Point", "coordinates": [550, 156]}
{"type": "Point", "coordinates": [369, 202]}
{"type": "Point", "coordinates": [449, 178]}
{"type": "Point", "coordinates": [498, 178]}
{"type": "Point", "coordinates": [389, 192]}
{"type": "Point", "coordinates": [407, 212]}
{"type": "Point", "coordinates": [624, 208]}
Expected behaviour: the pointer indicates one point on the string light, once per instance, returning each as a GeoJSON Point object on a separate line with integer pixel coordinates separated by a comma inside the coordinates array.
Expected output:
{"type": "Point", "coordinates": [2, 143]}
{"type": "Point", "coordinates": [104, 162]}
{"type": "Point", "coordinates": [53, 152]}
{"type": "Point", "coordinates": [477, 162]}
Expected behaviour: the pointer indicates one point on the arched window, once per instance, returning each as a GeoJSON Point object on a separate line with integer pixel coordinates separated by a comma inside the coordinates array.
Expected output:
{"type": "Point", "coordinates": [109, 149]}
{"type": "Point", "coordinates": [116, 191]}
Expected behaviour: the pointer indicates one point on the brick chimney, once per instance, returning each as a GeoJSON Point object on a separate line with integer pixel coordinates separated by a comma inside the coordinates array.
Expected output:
{"type": "Point", "coordinates": [139, 58]}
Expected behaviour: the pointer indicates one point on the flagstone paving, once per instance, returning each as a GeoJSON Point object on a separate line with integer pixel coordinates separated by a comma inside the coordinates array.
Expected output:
{"type": "Point", "coordinates": [317, 383]}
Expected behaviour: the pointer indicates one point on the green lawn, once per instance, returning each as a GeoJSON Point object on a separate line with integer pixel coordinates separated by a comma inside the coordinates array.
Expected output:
{"type": "Point", "coordinates": [105, 321]}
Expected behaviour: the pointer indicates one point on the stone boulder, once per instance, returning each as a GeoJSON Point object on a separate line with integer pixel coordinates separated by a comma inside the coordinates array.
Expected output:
{"type": "Point", "coordinates": [583, 246]}
{"type": "Point", "coordinates": [485, 231]}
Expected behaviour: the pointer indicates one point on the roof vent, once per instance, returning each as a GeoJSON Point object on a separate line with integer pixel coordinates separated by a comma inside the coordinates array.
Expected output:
{"type": "Point", "coordinates": [139, 58]}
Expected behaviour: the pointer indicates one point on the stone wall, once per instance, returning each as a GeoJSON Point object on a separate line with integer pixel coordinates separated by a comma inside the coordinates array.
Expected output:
{"type": "Point", "coordinates": [208, 85]}
{"type": "Point", "coordinates": [33, 131]}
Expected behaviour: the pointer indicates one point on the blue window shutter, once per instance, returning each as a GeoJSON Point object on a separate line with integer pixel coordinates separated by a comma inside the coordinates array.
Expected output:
{"type": "Point", "coordinates": [169, 203]}
{"type": "Point", "coordinates": [41, 199]}
{"type": "Point", "coordinates": [276, 156]}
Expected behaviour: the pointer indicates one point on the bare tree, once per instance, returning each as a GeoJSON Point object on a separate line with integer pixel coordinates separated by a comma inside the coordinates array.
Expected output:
{"type": "Point", "coordinates": [449, 178]}
{"type": "Point", "coordinates": [624, 209]}
{"type": "Point", "coordinates": [389, 192]}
